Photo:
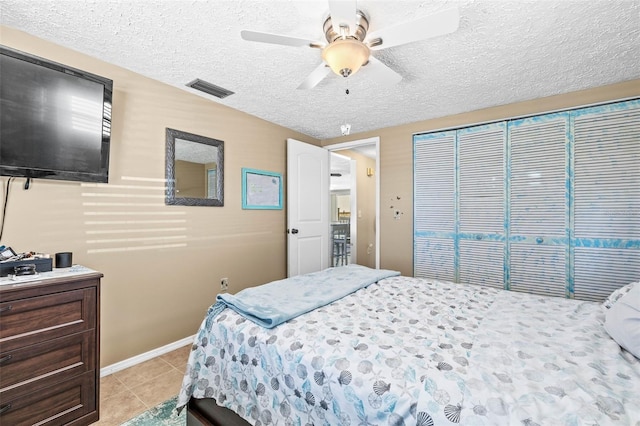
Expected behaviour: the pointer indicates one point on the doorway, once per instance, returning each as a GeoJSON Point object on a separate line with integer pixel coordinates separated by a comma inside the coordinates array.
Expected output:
{"type": "Point", "coordinates": [343, 203]}
{"type": "Point", "coordinates": [363, 192]}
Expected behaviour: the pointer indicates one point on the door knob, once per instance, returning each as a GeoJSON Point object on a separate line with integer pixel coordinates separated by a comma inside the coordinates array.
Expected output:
{"type": "Point", "coordinates": [294, 231]}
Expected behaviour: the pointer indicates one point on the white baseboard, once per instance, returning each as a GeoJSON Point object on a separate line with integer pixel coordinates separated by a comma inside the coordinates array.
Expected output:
{"type": "Point", "coordinates": [130, 362]}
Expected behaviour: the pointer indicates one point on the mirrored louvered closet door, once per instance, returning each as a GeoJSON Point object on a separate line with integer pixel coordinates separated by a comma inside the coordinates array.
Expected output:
{"type": "Point", "coordinates": [481, 212]}
{"type": "Point", "coordinates": [434, 221]}
{"type": "Point", "coordinates": [537, 200]}
{"type": "Point", "coordinates": [607, 201]}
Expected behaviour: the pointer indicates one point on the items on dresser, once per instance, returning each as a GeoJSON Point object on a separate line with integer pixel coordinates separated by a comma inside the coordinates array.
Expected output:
{"type": "Point", "coordinates": [6, 253]}
{"type": "Point", "coordinates": [41, 265]}
{"type": "Point", "coordinates": [49, 348]}
{"type": "Point", "coordinates": [64, 259]}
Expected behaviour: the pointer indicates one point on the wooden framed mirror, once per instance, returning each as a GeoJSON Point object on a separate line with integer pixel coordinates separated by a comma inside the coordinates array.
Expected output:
{"type": "Point", "coordinates": [194, 170]}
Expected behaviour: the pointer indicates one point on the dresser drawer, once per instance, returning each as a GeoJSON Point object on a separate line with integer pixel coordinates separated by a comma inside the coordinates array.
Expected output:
{"type": "Point", "coordinates": [25, 370]}
{"type": "Point", "coordinates": [72, 401]}
{"type": "Point", "coordinates": [33, 320]}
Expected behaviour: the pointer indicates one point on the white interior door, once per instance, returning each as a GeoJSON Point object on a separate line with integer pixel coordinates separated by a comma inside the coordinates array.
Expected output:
{"type": "Point", "coordinates": [307, 208]}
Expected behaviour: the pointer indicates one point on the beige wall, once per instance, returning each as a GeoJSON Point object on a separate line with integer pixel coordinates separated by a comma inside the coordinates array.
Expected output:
{"type": "Point", "coordinates": [162, 264]}
{"type": "Point", "coordinates": [396, 161]}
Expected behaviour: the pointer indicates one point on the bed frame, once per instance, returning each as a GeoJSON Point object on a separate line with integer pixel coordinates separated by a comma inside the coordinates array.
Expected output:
{"type": "Point", "coordinates": [206, 412]}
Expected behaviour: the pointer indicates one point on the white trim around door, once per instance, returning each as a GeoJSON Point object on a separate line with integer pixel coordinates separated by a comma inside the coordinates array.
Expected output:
{"type": "Point", "coordinates": [361, 142]}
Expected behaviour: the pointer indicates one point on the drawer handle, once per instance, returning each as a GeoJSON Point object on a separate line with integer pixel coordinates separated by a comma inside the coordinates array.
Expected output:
{"type": "Point", "coordinates": [539, 240]}
{"type": "Point", "coordinates": [6, 308]}
{"type": "Point", "coordinates": [5, 358]}
{"type": "Point", "coordinates": [5, 408]}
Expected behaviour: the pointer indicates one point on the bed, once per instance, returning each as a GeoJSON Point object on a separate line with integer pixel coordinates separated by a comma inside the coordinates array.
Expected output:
{"type": "Point", "coordinates": [413, 351]}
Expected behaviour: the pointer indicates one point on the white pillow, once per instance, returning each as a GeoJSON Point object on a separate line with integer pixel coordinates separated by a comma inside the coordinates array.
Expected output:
{"type": "Point", "coordinates": [623, 321]}
{"type": "Point", "coordinates": [616, 295]}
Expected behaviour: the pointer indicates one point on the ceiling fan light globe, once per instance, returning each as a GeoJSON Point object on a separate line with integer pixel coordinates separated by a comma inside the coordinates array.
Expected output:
{"type": "Point", "coordinates": [346, 56]}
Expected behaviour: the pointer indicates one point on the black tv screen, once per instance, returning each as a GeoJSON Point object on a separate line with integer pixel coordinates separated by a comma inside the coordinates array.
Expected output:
{"type": "Point", "coordinates": [55, 121]}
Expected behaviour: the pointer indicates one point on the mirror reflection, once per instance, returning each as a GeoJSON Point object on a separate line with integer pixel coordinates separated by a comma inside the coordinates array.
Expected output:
{"type": "Point", "coordinates": [194, 170]}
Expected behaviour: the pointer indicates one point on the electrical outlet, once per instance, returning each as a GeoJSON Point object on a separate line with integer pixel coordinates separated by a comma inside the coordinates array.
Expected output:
{"type": "Point", "coordinates": [224, 284]}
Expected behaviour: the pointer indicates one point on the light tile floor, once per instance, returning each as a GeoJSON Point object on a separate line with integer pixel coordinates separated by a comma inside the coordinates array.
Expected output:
{"type": "Point", "coordinates": [129, 392]}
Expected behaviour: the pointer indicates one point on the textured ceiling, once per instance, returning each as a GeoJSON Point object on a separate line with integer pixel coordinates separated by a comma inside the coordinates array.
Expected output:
{"type": "Point", "coordinates": [504, 51]}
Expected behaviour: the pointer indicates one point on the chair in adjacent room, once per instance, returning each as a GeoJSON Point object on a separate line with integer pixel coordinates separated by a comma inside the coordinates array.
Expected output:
{"type": "Point", "coordinates": [340, 238]}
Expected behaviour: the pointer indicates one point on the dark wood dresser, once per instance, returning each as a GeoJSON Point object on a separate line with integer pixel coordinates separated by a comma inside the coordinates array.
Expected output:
{"type": "Point", "coordinates": [49, 348]}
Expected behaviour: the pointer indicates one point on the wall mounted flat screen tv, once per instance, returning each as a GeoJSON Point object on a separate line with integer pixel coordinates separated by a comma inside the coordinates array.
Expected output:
{"type": "Point", "coordinates": [55, 121]}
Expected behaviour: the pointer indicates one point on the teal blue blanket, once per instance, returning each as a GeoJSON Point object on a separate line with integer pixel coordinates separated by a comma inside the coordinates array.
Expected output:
{"type": "Point", "coordinates": [278, 301]}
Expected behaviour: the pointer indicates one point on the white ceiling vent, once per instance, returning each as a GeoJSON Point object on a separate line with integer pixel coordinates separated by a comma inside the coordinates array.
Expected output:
{"type": "Point", "coordinates": [210, 88]}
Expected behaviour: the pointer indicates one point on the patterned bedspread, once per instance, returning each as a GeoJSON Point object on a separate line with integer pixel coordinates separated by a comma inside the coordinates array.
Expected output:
{"type": "Point", "coordinates": [410, 351]}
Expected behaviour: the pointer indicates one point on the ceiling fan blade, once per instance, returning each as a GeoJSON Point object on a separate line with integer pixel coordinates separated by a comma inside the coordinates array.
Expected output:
{"type": "Point", "coordinates": [440, 23]}
{"type": "Point", "coordinates": [277, 39]}
{"type": "Point", "coordinates": [343, 12]}
{"type": "Point", "coordinates": [316, 76]}
{"type": "Point", "coordinates": [380, 73]}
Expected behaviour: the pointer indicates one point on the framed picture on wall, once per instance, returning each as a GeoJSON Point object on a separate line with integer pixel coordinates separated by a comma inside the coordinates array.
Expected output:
{"type": "Point", "coordinates": [261, 190]}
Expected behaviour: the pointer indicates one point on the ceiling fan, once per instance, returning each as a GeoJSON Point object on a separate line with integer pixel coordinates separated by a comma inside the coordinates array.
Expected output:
{"type": "Point", "coordinates": [348, 46]}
